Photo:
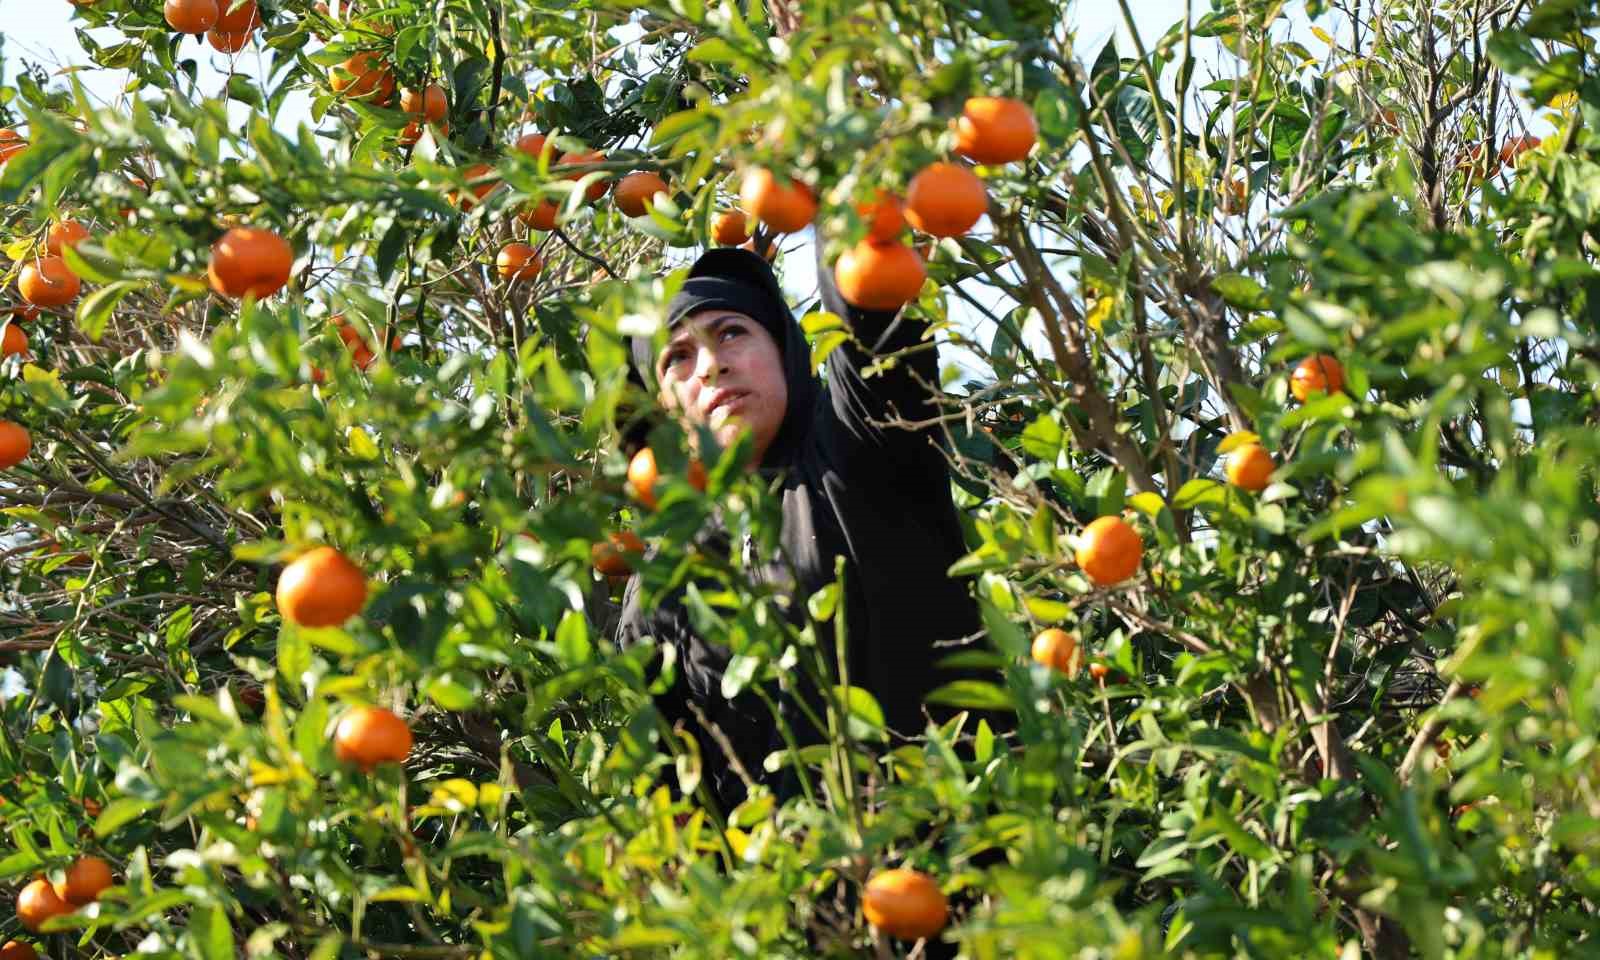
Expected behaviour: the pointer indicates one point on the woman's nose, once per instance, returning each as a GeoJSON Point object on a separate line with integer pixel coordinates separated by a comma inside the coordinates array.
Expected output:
{"type": "Point", "coordinates": [706, 364]}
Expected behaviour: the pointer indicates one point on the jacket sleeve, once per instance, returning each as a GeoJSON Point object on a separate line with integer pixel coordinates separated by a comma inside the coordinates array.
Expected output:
{"type": "Point", "coordinates": [861, 406]}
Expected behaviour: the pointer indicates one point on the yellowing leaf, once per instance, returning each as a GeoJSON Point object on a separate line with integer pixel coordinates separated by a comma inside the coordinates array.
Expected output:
{"type": "Point", "coordinates": [1322, 35]}
{"type": "Point", "coordinates": [1148, 503]}
{"type": "Point", "coordinates": [361, 444]}
{"type": "Point", "coordinates": [1235, 440]}
{"type": "Point", "coordinates": [1099, 310]}
{"type": "Point", "coordinates": [1560, 101]}
{"type": "Point", "coordinates": [18, 248]}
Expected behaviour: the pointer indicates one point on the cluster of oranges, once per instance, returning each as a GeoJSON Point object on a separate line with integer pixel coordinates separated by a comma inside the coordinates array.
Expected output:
{"type": "Point", "coordinates": [227, 24]}
{"type": "Point", "coordinates": [324, 588]}
{"type": "Point", "coordinates": [944, 199]}
{"type": "Point", "coordinates": [86, 878]}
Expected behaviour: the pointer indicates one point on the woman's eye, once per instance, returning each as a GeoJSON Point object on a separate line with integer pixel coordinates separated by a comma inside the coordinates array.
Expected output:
{"type": "Point", "coordinates": [728, 332]}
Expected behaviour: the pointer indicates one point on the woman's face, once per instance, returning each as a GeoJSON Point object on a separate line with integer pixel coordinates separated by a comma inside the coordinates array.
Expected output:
{"type": "Point", "coordinates": [724, 370]}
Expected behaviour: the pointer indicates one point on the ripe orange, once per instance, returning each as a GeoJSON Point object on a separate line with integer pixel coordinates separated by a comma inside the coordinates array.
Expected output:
{"type": "Point", "coordinates": [413, 132]}
{"type": "Point", "coordinates": [1058, 650]}
{"type": "Point", "coordinates": [428, 103]}
{"type": "Point", "coordinates": [475, 172]}
{"type": "Point", "coordinates": [884, 216]}
{"type": "Point", "coordinates": [879, 276]}
{"type": "Point", "coordinates": [1516, 147]}
{"type": "Point", "coordinates": [518, 261]}
{"type": "Point", "coordinates": [11, 144]}
{"type": "Point", "coordinates": [1098, 671]}
{"type": "Point", "coordinates": [786, 207]}
{"type": "Point", "coordinates": [37, 903]}
{"type": "Point", "coordinates": [995, 130]}
{"type": "Point", "coordinates": [363, 357]}
{"type": "Point", "coordinates": [729, 228]}
{"type": "Point", "coordinates": [85, 879]}
{"type": "Point", "coordinates": [237, 19]}
{"type": "Point", "coordinates": [945, 199]}
{"type": "Point", "coordinates": [612, 557]}
{"type": "Point", "coordinates": [634, 191]}
{"type": "Point", "coordinates": [47, 282]}
{"type": "Point", "coordinates": [321, 588]}
{"type": "Point", "coordinates": [1318, 373]}
{"type": "Point", "coordinates": [1110, 550]}
{"type": "Point", "coordinates": [191, 16]}
{"type": "Point", "coordinates": [65, 233]}
{"type": "Point", "coordinates": [1249, 467]}
{"type": "Point", "coordinates": [542, 216]}
{"type": "Point", "coordinates": [1234, 200]}
{"type": "Point", "coordinates": [228, 42]}
{"type": "Point", "coordinates": [15, 442]}
{"type": "Point", "coordinates": [533, 144]}
{"type": "Point", "coordinates": [642, 476]}
{"type": "Point", "coordinates": [17, 950]}
{"type": "Point", "coordinates": [596, 190]}
{"type": "Point", "coordinates": [249, 260]}
{"type": "Point", "coordinates": [369, 736]}
{"type": "Point", "coordinates": [13, 342]}
{"type": "Point", "coordinates": [905, 903]}
{"type": "Point", "coordinates": [364, 76]}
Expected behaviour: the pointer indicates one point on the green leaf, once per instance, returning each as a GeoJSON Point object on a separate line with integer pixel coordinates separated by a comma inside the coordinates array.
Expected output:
{"type": "Point", "coordinates": [94, 311]}
{"type": "Point", "coordinates": [119, 813]}
{"type": "Point", "coordinates": [1240, 291]}
{"type": "Point", "coordinates": [211, 933]}
{"type": "Point", "coordinates": [972, 695]}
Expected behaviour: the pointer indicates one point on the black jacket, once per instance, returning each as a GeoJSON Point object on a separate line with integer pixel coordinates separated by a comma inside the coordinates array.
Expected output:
{"type": "Point", "coordinates": [880, 497]}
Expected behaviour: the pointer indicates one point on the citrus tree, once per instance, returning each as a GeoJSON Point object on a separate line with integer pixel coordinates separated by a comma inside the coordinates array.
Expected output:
{"type": "Point", "coordinates": [1273, 435]}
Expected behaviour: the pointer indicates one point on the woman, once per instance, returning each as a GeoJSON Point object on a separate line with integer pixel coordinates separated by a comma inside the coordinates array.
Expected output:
{"type": "Point", "coordinates": [877, 495]}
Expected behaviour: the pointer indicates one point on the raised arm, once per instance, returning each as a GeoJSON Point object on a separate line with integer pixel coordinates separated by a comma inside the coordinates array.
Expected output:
{"type": "Point", "coordinates": [863, 407]}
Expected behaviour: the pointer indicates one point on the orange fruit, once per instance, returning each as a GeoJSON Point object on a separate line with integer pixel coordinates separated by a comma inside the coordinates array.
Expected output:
{"type": "Point", "coordinates": [364, 76]}
{"type": "Point", "coordinates": [1098, 671]}
{"type": "Point", "coordinates": [47, 282]}
{"type": "Point", "coordinates": [729, 228]}
{"type": "Point", "coordinates": [475, 172]}
{"type": "Point", "coordinates": [945, 199]}
{"type": "Point", "coordinates": [428, 103]}
{"type": "Point", "coordinates": [85, 879]}
{"type": "Point", "coordinates": [1058, 650]}
{"type": "Point", "coordinates": [542, 216]}
{"type": "Point", "coordinates": [321, 588]}
{"type": "Point", "coordinates": [15, 442]}
{"type": "Point", "coordinates": [13, 342]}
{"type": "Point", "coordinates": [237, 19]}
{"type": "Point", "coordinates": [11, 144]}
{"type": "Point", "coordinates": [905, 903]}
{"type": "Point", "coordinates": [596, 190]}
{"type": "Point", "coordinates": [37, 903]}
{"type": "Point", "coordinates": [1109, 551]}
{"type": "Point", "coordinates": [369, 736]}
{"type": "Point", "coordinates": [787, 207]}
{"type": "Point", "coordinates": [634, 191]}
{"type": "Point", "coordinates": [228, 42]}
{"type": "Point", "coordinates": [250, 260]}
{"type": "Point", "coordinates": [533, 144]}
{"type": "Point", "coordinates": [65, 233]}
{"type": "Point", "coordinates": [642, 476]}
{"type": "Point", "coordinates": [191, 16]}
{"type": "Point", "coordinates": [1516, 147]}
{"type": "Point", "coordinates": [879, 276]}
{"type": "Point", "coordinates": [17, 950]}
{"type": "Point", "coordinates": [1233, 198]}
{"type": "Point", "coordinates": [884, 216]}
{"type": "Point", "coordinates": [1249, 467]}
{"type": "Point", "coordinates": [1318, 373]}
{"type": "Point", "coordinates": [413, 132]}
{"type": "Point", "coordinates": [995, 130]}
{"type": "Point", "coordinates": [518, 261]}
{"type": "Point", "coordinates": [611, 557]}
{"type": "Point", "coordinates": [363, 357]}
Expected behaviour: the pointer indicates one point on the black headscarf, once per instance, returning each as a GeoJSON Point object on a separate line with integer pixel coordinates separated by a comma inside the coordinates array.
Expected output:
{"type": "Point", "coordinates": [728, 278]}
